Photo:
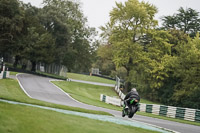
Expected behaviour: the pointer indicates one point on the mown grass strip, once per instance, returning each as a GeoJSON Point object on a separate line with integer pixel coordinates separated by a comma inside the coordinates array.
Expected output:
{"type": "Point", "coordinates": [87, 93]}
{"type": "Point", "coordinates": [24, 119]}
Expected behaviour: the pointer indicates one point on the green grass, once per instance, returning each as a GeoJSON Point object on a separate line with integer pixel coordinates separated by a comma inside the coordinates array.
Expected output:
{"type": "Point", "coordinates": [24, 119]}
{"type": "Point", "coordinates": [10, 90]}
{"type": "Point", "coordinates": [51, 75]}
{"type": "Point", "coordinates": [13, 73]}
{"type": "Point", "coordinates": [87, 93]}
{"type": "Point", "coordinates": [90, 78]}
{"type": "Point", "coordinates": [90, 94]}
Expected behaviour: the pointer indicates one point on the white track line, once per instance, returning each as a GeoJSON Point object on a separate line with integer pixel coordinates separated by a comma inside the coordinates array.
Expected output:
{"type": "Point", "coordinates": [21, 85]}
{"type": "Point", "coordinates": [62, 90]}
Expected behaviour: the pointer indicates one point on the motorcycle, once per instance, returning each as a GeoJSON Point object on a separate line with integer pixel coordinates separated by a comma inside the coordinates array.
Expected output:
{"type": "Point", "coordinates": [131, 108]}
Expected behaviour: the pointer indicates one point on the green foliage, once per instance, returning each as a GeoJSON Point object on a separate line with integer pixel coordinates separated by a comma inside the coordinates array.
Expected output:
{"type": "Point", "coordinates": [187, 71]}
{"type": "Point", "coordinates": [56, 33]}
{"type": "Point", "coordinates": [129, 22]}
{"type": "Point", "coordinates": [65, 21]}
{"type": "Point", "coordinates": [11, 23]}
{"type": "Point", "coordinates": [104, 59]}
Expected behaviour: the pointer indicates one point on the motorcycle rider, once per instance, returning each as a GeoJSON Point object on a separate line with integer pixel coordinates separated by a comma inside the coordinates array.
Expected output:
{"type": "Point", "coordinates": [133, 94]}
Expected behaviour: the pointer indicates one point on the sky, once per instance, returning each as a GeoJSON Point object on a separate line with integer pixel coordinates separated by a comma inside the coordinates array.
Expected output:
{"type": "Point", "coordinates": [97, 11]}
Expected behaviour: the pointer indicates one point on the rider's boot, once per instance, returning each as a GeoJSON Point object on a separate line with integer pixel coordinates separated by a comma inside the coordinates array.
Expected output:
{"type": "Point", "coordinates": [123, 111]}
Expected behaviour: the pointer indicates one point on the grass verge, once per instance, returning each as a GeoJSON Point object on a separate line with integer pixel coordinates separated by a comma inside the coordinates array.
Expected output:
{"type": "Point", "coordinates": [87, 93]}
{"type": "Point", "coordinates": [90, 78]}
{"type": "Point", "coordinates": [13, 73]}
{"type": "Point", "coordinates": [24, 119]}
{"type": "Point", "coordinates": [51, 75]}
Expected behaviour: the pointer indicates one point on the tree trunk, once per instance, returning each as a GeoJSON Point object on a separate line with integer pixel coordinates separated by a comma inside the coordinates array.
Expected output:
{"type": "Point", "coordinates": [127, 86]}
{"type": "Point", "coordinates": [33, 66]}
{"type": "Point", "coordinates": [128, 69]}
{"type": "Point", "coordinates": [17, 58]}
{"type": "Point", "coordinates": [24, 66]}
{"type": "Point", "coordinates": [127, 82]}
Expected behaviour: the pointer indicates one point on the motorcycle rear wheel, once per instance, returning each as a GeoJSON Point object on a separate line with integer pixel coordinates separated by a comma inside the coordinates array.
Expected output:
{"type": "Point", "coordinates": [131, 111]}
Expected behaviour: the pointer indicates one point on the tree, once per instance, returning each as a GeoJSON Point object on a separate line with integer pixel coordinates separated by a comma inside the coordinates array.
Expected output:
{"type": "Point", "coordinates": [129, 23]}
{"type": "Point", "coordinates": [65, 21]}
{"type": "Point", "coordinates": [156, 71]}
{"type": "Point", "coordinates": [11, 23]}
{"type": "Point", "coordinates": [188, 74]}
{"type": "Point", "coordinates": [38, 44]}
{"type": "Point", "coordinates": [186, 20]}
{"type": "Point", "coordinates": [104, 59]}
{"type": "Point", "coordinates": [169, 22]}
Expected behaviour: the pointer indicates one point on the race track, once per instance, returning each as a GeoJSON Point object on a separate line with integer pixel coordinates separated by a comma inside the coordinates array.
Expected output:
{"type": "Point", "coordinates": [42, 89]}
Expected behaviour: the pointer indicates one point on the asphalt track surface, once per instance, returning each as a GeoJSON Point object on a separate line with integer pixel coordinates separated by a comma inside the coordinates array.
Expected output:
{"type": "Point", "coordinates": [42, 89]}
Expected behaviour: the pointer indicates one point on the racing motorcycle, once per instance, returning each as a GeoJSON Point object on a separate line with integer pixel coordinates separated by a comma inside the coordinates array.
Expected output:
{"type": "Point", "coordinates": [131, 108]}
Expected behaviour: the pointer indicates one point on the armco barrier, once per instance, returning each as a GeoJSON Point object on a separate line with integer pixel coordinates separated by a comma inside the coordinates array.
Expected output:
{"type": "Point", "coordinates": [170, 111]}
{"type": "Point", "coordinates": [197, 116]}
{"type": "Point", "coordinates": [4, 73]}
{"type": "Point", "coordinates": [162, 110]}
{"type": "Point", "coordinates": [110, 100]}
{"type": "Point", "coordinates": [1, 74]}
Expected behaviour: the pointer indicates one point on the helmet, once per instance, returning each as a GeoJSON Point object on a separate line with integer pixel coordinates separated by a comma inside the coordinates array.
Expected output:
{"type": "Point", "coordinates": [133, 89]}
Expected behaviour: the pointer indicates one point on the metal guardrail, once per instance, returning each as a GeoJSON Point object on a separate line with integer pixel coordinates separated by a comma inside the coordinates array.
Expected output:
{"type": "Point", "coordinates": [162, 110]}
{"type": "Point", "coordinates": [170, 111]}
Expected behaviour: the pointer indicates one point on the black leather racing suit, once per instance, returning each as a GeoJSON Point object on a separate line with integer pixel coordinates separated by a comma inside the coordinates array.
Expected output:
{"type": "Point", "coordinates": [130, 96]}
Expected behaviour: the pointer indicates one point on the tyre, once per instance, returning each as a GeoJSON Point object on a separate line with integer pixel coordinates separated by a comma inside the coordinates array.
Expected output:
{"type": "Point", "coordinates": [123, 113]}
{"type": "Point", "coordinates": [131, 111]}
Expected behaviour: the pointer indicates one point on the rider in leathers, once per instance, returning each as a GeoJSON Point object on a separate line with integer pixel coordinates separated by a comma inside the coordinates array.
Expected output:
{"type": "Point", "coordinates": [133, 94]}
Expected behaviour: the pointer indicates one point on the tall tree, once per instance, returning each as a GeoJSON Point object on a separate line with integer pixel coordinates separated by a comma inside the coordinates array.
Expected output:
{"type": "Point", "coordinates": [186, 20]}
{"type": "Point", "coordinates": [38, 44]}
{"type": "Point", "coordinates": [187, 70]}
{"type": "Point", "coordinates": [11, 23]}
{"type": "Point", "coordinates": [129, 23]}
{"type": "Point", "coordinates": [65, 21]}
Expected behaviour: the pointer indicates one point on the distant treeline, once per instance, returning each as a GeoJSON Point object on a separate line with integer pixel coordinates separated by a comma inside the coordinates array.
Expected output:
{"type": "Point", "coordinates": [56, 33]}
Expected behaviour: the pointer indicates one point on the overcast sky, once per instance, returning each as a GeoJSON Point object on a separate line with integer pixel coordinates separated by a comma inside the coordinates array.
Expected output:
{"type": "Point", "coordinates": [97, 11]}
